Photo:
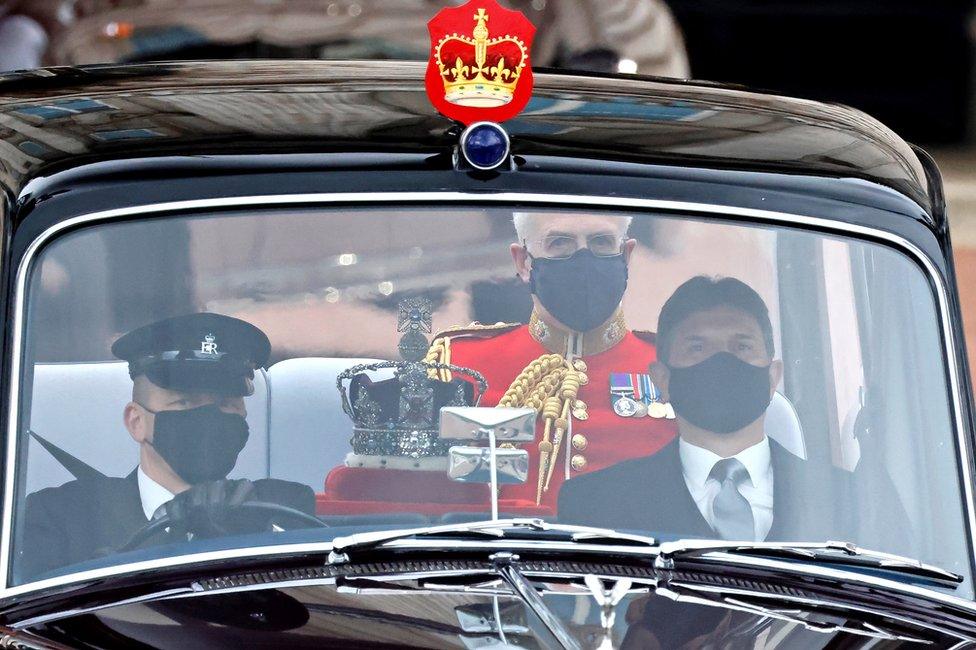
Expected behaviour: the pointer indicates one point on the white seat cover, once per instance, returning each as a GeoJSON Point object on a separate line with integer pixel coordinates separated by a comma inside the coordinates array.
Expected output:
{"type": "Point", "coordinates": [311, 431]}
{"type": "Point", "coordinates": [783, 425]}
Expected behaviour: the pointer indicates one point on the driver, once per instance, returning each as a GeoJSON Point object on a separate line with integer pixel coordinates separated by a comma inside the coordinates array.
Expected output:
{"type": "Point", "coordinates": [189, 378]}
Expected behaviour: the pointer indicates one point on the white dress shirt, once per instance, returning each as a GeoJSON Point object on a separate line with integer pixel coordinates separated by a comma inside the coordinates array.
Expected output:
{"type": "Point", "coordinates": [151, 493]}
{"type": "Point", "coordinates": [697, 463]}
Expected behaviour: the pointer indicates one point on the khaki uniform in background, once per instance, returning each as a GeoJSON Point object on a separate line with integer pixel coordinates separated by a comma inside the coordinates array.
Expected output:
{"type": "Point", "coordinates": [642, 31]}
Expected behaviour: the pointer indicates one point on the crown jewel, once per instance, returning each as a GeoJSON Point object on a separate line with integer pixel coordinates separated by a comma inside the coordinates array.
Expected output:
{"type": "Point", "coordinates": [480, 71]}
{"type": "Point", "coordinates": [399, 416]}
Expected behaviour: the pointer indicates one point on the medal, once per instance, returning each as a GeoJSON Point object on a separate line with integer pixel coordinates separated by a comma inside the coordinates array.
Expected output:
{"type": "Point", "coordinates": [625, 407]}
{"type": "Point", "coordinates": [621, 395]}
{"type": "Point", "coordinates": [657, 410]}
{"type": "Point", "coordinates": [642, 396]}
{"type": "Point", "coordinates": [651, 396]}
{"type": "Point", "coordinates": [634, 395]}
{"type": "Point", "coordinates": [670, 409]}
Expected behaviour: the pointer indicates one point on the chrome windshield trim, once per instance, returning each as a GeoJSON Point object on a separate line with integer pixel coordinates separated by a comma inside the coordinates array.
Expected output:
{"type": "Point", "coordinates": [174, 561]}
{"type": "Point", "coordinates": [380, 198]}
{"type": "Point", "coordinates": [494, 545]}
{"type": "Point", "coordinates": [318, 548]}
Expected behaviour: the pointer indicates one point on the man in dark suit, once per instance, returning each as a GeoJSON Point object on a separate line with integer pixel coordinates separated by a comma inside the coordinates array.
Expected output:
{"type": "Point", "coordinates": [722, 477]}
{"type": "Point", "coordinates": [190, 375]}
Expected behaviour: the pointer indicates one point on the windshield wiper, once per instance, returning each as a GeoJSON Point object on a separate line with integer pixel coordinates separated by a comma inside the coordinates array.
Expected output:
{"type": "Point", "coordinates": [844, 554]}
{"type": "Point", "coordinates": [506, 565]}
{"type": "Point", "coordinates": [534, 529]}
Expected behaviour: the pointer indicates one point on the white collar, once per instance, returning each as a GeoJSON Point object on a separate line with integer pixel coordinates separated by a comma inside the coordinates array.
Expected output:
{"type": "Point", "coordinates": [151, 493]}
{"type": "Point", "coordinates": [697, 462]}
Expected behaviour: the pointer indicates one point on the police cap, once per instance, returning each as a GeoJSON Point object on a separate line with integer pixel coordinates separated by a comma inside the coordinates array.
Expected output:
{"type": "Point", "coordinates": [201, 352]}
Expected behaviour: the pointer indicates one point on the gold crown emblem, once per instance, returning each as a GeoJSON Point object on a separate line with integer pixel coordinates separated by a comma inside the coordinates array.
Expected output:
{"type": "Point", "coordinates": [484, 71]}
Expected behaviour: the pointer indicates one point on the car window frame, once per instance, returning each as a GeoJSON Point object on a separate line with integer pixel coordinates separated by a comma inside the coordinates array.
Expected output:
{"type": "Point", "coordinates": [713, 211]}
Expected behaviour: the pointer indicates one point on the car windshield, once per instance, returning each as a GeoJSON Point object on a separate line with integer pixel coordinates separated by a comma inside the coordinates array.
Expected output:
{"type": "Point", "coordinates": [249, 378]}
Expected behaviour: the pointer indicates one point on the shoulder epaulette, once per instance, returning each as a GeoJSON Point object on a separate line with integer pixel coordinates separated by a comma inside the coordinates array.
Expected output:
{"type": "Point", "coordinates": [477, 330]}
{"type": "Point", "coordinates": [439, 351]}
{"type": "Point", "coordinates": [644, 335]}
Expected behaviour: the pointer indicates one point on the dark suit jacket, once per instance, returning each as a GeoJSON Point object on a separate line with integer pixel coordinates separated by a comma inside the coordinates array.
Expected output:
{"type": "Point", "coordinates": [88, 518]}
{"type": "Point", "coordinates": [810, 503]}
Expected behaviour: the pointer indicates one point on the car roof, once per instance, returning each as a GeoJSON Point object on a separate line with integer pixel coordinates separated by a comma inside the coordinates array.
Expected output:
{"type": "Point", "coordinates": [58, 118]}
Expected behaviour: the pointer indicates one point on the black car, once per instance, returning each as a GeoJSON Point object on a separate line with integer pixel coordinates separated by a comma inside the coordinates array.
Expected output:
{"type": "Point", "coordinates": [328, 205]}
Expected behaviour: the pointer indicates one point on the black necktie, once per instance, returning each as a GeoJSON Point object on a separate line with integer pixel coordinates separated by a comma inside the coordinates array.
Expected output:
{"type": "Point", "coordinates": [731, 511]}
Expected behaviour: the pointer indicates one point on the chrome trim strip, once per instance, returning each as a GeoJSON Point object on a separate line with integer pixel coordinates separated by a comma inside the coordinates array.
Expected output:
{"type": "Point", "coordinates": [319, 548]}
{"type": "Point", "coordinates": [726, 212]}
{"type": "Point", "coordinates": [716, 559]}
{"type": "Point", "coordinates": [171, 561]}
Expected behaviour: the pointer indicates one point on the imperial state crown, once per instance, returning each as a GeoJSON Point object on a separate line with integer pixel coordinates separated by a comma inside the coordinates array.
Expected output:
{"type": "Point", "coordinates": [395, 420]}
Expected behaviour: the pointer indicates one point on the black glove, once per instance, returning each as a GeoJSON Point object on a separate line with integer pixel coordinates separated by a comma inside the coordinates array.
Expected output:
{"type": "Point", "coordinates": [202, 510]}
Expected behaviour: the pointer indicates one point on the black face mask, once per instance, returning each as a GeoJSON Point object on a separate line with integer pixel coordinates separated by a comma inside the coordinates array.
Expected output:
{"type": "Point", "coordinates": [581, 291]}
{"type": "Point", "coordinates": [200, 444]}
{"type": "Point", "coordinates": [722, 394]}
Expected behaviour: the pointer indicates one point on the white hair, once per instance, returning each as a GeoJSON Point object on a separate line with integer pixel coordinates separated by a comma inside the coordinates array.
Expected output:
{"type": "Point", "coordinates": [527, 224]}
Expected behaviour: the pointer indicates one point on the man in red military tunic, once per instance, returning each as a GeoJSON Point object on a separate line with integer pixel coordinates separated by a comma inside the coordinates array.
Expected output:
{"type": "Point", "coordinates": [576, 361]}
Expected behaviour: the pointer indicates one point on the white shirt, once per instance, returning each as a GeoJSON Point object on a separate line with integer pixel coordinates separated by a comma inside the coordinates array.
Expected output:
{"type": "Point", "coordinates": [151, 493]}
{"type": "Point", "coordinates": [697, 464]}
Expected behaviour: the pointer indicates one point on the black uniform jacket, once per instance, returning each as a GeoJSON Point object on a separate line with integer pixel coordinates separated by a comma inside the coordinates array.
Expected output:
{"type": "Point", "coordinates": [88, 518]}
{"type": "Point", "coordinates": [811, 502]}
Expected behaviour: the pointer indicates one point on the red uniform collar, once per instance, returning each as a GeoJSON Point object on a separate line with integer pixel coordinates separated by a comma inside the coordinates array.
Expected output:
{"type": "Point", "coordinates": [565, 342]}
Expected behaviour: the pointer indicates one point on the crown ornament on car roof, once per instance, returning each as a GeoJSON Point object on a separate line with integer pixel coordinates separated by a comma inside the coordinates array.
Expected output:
{"type": "Point", "coordinates": [399, 417]}
{"type": "Point", "coordinates": [479, 72]}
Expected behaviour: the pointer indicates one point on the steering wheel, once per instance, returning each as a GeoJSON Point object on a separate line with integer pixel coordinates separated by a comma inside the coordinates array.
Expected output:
{"type": "Point", "coordinates": [253, 510]}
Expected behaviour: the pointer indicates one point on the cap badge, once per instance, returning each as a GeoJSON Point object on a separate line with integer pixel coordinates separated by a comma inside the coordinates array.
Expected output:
{"type": "Point", "coordinates": [480, 72]}
{"type": "Point", "coordinates": [209, 344]}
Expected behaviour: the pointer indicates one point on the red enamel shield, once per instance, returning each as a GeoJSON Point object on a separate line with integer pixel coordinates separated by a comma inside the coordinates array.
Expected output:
{"type": "Point", "coordinates": [479, 68]}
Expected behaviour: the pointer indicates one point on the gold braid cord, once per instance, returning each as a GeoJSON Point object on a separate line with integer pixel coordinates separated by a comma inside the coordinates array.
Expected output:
{"type": "Point", "coordinates": [439, 352]}
{"type": "Point", "coordinates": [548, 384]}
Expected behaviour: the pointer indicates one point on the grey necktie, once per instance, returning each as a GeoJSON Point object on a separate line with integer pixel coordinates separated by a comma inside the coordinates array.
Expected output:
{"type": "Point", "coordinates": [731, 511]}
